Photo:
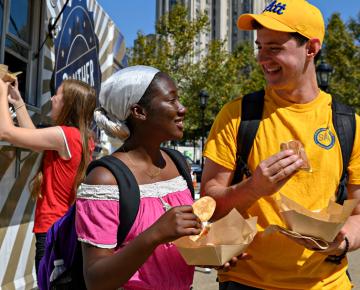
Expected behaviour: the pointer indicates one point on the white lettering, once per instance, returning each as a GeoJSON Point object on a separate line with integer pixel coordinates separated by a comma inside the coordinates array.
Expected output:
{"type": "Point", "coordinates": [84, 73]}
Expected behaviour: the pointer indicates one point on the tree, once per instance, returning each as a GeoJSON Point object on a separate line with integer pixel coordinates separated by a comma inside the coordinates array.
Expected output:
{"type": "Point", "coordinates": [343, 53]}
{"type": "Point", "coordinates": [354, 26]}
{"type": "Point", "coordinates": [222, 74]}
{"type": "Point", "coordinates": [172, 48]}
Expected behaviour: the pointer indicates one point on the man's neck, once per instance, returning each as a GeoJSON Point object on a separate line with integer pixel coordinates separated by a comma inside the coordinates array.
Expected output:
{"type": "Point", "coordinates": [300, 94]}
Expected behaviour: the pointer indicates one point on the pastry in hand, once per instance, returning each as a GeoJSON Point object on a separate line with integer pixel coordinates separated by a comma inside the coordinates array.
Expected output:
{"type": "Point", "coordinates": [204, 209]}
{"type": "Point", "coordinates": [7, 76]}
{"type": "Point", "coordinates": [299, 149]}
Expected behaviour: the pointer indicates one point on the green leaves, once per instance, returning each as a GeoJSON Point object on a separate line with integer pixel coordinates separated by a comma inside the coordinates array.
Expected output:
{"type": "Point", "coordinates": [342, 52]}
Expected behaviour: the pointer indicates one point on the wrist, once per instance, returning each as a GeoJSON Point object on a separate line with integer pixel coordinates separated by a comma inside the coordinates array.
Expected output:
{"type": "Point", "coordinates": [19, 105]}
{"type": "Point", "coordinates": [341, 253]}
{"type": "Point", "coordinates": [251, 189]}
{"type": "Point", "coordinates": [152, 237]}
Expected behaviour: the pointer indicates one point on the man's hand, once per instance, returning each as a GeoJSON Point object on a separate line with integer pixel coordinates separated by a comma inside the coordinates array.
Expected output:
{"type": "Point", "coordinates": [230, 264]}
{"type": "Point", "coordinates": [337, 247]}
{"type": "Point", "coordinates": [268, 178]}
{"type": "Point", "coordinates": [272, 173]}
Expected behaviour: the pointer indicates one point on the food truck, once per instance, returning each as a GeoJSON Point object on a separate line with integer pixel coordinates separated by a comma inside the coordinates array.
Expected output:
{"type": "Point", "coordinates": [47, 41]}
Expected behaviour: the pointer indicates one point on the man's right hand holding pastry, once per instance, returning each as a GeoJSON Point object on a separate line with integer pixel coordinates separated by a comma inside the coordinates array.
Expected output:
{"type": "Point", "coordinates": [272, 173]}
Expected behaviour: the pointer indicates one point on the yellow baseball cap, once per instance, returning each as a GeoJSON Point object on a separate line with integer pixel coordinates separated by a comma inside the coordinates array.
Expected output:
{"type": "Point", "coordinates": [288, 16]}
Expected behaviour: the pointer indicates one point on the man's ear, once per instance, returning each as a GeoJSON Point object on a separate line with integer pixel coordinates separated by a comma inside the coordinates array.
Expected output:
{"type": "Point", "coordinates": [313, 47]}
{"type": "Point", "coordinates": [138, 112]}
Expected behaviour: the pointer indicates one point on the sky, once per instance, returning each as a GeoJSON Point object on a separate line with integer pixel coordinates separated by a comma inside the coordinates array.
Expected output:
{"type": "Point", "coordinates": [132, 16]}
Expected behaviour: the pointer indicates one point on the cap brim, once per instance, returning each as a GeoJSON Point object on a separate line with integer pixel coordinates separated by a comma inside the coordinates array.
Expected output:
{"type": "Point", "coordinates": [245, 22]}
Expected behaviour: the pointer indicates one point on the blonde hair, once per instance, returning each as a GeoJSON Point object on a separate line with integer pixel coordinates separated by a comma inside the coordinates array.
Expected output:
{"type": "Point", "coordinates": [79, 105]}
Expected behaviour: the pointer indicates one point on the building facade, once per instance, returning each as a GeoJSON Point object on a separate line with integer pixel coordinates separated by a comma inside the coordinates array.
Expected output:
{"type": "Point", "coordinates": [47, 41]}
{"type": "Point", "coordinates": [223, 15]}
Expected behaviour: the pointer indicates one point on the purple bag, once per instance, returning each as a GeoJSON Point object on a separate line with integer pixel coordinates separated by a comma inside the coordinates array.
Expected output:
{"type": "Point", "coordinates": [61, 267]}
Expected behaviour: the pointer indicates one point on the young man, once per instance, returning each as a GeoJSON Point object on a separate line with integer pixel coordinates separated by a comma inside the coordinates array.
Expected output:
{"type": "Point", "coordinates": [289, 36]}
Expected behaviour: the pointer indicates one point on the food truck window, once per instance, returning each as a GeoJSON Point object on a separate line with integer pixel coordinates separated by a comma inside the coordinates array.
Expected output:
{"type": "Point", "coordinates": [18, 65]}
{"type": "Point", "coordinates": [1, 13]}
{"type": "Point", "coordinates": [19, 24]}
{"type": "Point", "coordinates": [20, 37]}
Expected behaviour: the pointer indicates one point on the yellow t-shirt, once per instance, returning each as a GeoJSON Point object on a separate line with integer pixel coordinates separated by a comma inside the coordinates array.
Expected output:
{"type": "Point", "coordinates": [278, 262]}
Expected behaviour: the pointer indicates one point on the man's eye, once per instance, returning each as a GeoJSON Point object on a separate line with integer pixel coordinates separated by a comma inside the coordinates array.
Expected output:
{"type": "Point", "coordinates": [275, 49]}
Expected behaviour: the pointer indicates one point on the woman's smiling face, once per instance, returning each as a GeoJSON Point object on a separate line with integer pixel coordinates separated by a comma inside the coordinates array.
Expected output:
{"type": "Point", "coordinates": [165, 111]}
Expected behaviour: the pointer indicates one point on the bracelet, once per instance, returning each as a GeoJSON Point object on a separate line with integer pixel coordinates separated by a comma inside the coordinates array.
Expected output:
{"type": "Point", "coordinates": [337, 259]}
{"type": "Point", "coordinates": [18, 107]}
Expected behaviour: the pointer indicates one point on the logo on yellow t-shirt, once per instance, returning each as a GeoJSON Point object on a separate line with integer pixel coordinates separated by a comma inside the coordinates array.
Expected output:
{"type": "Point", "coordinates": [324, 138]}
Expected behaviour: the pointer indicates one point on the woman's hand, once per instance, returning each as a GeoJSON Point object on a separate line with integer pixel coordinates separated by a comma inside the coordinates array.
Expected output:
{"type": "Point", "coordinates": [175, 223]}
{"type": "Point", "coordinates": [14, 96]}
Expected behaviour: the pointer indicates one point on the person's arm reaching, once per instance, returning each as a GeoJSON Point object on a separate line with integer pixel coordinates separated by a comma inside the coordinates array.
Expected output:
{"type": "Point", "coordinates": [269, 176]}
{"type": "Point", "coordinates": [34, 139]}
{"type": "Point", "coordinates": [22, 115]}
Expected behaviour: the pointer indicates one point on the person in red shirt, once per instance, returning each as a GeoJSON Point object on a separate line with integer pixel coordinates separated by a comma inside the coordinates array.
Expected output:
{"type": "Point", "coordinates": [67, 148]}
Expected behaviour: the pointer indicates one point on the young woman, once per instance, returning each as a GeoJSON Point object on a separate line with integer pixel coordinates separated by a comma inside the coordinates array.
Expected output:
{"type": "Point", "coordinates": [67, 148]}
{"type": "Point", "coordinates": [139, 105]}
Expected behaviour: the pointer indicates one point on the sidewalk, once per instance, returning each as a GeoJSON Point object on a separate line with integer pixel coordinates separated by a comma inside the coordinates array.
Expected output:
{"type": "Point", "coordinates": [203, 281]}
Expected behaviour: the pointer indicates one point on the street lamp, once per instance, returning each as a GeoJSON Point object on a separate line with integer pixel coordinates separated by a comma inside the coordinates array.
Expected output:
{"type": "Point", "coordinates": [203, 95]}
{"type": "Point", "coordinates": [323, 72]}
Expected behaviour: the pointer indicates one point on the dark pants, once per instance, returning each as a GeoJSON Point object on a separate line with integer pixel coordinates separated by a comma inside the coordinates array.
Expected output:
{"type": "Point", "coordinates": [39, 249]}
{"type": "Point", "coordinates": [230, 285]}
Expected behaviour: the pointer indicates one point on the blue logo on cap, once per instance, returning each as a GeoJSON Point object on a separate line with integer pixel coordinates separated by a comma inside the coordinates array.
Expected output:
{"type": "Point", "coordinates": [275, 7]}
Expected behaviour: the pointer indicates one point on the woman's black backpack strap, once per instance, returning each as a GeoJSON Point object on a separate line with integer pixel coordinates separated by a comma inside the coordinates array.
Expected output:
{"type": "Point", "coordinates": [345, 127]}
{"type": "Point", "coordinates": [181, 166]}
{"type": "Point", "coordinates": [251, 114]}
{"type": "Point", "coordinates": [129, 192]}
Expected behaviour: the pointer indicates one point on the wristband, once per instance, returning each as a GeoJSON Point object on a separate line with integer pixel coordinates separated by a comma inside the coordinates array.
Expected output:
{"type": "Point", "coordinates": [337, 259]}
{"type": "Point", "coordinates": [18, 107]}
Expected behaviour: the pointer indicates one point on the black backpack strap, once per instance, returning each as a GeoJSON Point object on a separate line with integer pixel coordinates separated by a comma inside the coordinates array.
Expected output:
{"type": "Point", "coordinates": [129, 193]}
{"type": "Point", "coordinates": [251, 114]}
{"type": "Point", "coordinates": [181, 166]}
{"type": "Point", "coordinates": [345, 125]}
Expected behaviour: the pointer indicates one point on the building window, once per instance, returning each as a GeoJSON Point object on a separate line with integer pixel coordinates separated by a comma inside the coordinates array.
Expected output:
{"type": "Point", "coordinates": [172, 3]}
{"type": "Point", "coordinates": [19, 24]}
{"type": "Point", "coordinates": [1, 13]}
{"type": "Point", "coordinates": [19, 42]}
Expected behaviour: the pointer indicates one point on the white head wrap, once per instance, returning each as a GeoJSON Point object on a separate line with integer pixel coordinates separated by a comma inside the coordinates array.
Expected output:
{"type": "Point", "coordinates": [118, 93]}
